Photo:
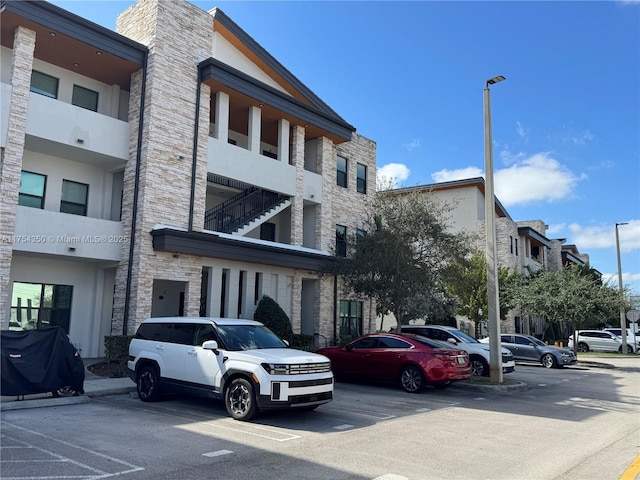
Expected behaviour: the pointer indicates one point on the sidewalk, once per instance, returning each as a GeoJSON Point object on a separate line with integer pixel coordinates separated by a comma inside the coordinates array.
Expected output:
{"type": "Point", "coordinates": [94, 386]}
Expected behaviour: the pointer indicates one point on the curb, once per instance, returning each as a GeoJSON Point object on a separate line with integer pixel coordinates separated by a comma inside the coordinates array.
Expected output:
{"type": "Point", "coordinates": [43, 402]}
{"type": "Point", "coordinates": [518, 386]}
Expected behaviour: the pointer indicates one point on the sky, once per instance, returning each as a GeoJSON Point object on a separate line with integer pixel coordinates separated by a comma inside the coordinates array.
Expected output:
{"type": "Point", "coordinates": [411, 75]}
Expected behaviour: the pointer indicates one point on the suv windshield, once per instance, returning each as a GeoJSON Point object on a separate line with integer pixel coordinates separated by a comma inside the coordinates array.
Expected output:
{"type": "Point", "coordinates": [248, 337]}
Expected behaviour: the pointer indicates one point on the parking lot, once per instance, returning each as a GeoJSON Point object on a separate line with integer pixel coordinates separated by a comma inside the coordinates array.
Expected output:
{"type": "Point", "coordinates": [572, 423]}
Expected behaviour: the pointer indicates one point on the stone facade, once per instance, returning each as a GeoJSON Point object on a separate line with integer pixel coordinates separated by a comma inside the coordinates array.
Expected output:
{"type": "Point", "coordinates": [11, 166]}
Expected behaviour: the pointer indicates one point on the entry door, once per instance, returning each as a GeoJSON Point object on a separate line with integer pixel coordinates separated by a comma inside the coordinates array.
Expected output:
{"type": "Point", "coordinates": [202, 366]}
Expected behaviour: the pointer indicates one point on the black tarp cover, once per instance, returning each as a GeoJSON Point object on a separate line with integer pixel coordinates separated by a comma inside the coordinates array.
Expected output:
{"type": "Point", "coordinates": [39, 361]}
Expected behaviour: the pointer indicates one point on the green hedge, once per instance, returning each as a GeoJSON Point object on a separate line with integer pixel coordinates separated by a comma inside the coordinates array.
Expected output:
{"type": "Point", "coordinates": [116, 348]}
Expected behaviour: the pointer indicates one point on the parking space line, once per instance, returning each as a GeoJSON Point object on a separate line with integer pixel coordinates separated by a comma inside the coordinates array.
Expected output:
{"type": "Point", "coordinates": [245, 428]}
{"type": "Point", "coordinates": [344, 426]}
{"type": "Point", "coordinates": [217, 453]}
{"type": "Point", "coordinates": [376, 415]}
{"type": "Point", "coordinates": [130, 467]}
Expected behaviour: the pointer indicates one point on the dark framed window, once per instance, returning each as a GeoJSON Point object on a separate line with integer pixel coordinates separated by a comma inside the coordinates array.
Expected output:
{"type": "Point", "coordinates": [44, 84]}
{"type": "Point", "coordinates": [32, 188]}
{"type": "Point", "coordinates": [516, 246]}
{"type": "Point", "coordinates": [341, 241]}
{"type": "Point", "coordinates": [342, 171]}
{"type": "Point", "coordinates": [85, 98]}
{"type": "Point", "coordinates": [268, 231]}
{"type": "Point", "coordinates": [350, 317]}
{"type": "Point", "coordinates": [37, 305]}
{"type": "Point", "coordinates": [74, 197]}
{"type": "Point", "coordinates": [510, 244]}
{"type": "Point", "coordinates": [361, 174]}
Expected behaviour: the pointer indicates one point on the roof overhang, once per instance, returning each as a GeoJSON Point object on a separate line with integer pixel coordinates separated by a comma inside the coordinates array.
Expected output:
{"type": "Point", "coordinates": [213, 245]}
{"type": "Point", "coordinates": [65, 39]}
{"type": "Point", "coordinates": [535, 237]}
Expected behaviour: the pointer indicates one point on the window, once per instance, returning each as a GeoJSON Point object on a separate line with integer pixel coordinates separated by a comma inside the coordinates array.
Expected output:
{"type": "Point", "coordinates": [74, 198]}
{"type": "Point", "coordinates": [350, 317]}
{"type": "Point", "coordinates": [388, 342]}
{"type": "Point", "coordinates": [341, 241]}
{"type": "Point", "coordinates": [85, 98]}
{"type": "Point", "coordinates": [183, 333]}
{"type": "Point", "coordinates": [37, 305]}
{"type": "Point", "coordinates": [342, 172]}
{"type": "Point", "coordinates": [516, 245]}
{"type": "Point", "coordinates": [510, 244]}
{"type": "Point", "coordinates": [361, 173]}
{"type": "Point", "coordinates": [32, 187]}
{"type": "Point", "coordinates": [44, 84]}
{"type": "Point", "coordinates": [268, 231]}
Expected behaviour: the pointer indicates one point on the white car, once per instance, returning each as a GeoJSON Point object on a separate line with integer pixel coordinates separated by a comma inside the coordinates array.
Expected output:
{"type": "Point", "coordinates": [633, 338]}
{"type": "Point", "coordinates": [239, 361]}
{"type": "Point", "coordinates": [597, 341]}
{"type": "Point", "coordinates": [478, 352]}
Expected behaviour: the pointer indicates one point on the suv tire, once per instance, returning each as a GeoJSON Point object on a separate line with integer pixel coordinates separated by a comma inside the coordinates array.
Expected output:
{"type": "Point", "coordinates": [240, 399]}
{"type": "Point", "coordinates": [148, 384]}
{"type": "Point", "coordinates": [583, 347]}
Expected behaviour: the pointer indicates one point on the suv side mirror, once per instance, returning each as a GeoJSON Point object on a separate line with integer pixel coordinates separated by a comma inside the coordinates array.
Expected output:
{"type": "Point", "coordinates": [452, 340]}
{"type": "Point", "coordinates": [211, 345]}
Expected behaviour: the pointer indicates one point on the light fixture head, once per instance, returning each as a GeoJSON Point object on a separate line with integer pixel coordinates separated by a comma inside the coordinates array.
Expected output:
{"type": "Point", "coordinates": [53, 34]}
{"type": "Point", "coordinates": [98, 52]}
{"type": "Point", "coordinates": [76, 64]}
{"type": "Point", "coordinates": [497, 79]}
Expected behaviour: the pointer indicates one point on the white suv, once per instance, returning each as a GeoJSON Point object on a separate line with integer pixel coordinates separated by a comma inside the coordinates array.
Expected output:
{"type": "Point", "coordinates": [478, 352]}
{"type": "Point", "coordinates": [633, 338]}
{"type": "Point", "coordinates": [596, 340]}
{"type": "Point", "coordinates": [239, 361]}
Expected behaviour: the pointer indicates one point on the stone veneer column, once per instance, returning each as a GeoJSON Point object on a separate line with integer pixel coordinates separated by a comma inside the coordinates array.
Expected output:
{"type": "Point", "coordinates": [296, 303]}
{"type": "Point", "coordinates": [24, 42]}
{"type": "Point", "coordinates": [297, 202]}
{"type": "Point", "coordinates": [179, 36]}
{"type": "Point", "coordinates": [325, 223]}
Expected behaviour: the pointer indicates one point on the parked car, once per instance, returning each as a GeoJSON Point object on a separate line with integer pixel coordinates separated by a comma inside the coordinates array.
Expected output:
{"type": "Point", "coordinates": [478, 352]}
{"type": "Point", "coordinates": [240, 361]}
{"type": "Point", "coordinates": [528, 348]}
{"type": "Point", "coordinates": [597, 341]}
{"type": "Point", "coordinates": [411, 360]}
{"type": "Point", "coordinates": [633, 338]}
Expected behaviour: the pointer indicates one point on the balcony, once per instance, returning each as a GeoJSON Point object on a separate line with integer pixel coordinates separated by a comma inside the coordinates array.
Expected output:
{"type": "Point", "coordinates": [75, 133]}
{"type": "Point", "coordinates": [62, 234]}
{"type": "Point", "coordinates": [250, 167]}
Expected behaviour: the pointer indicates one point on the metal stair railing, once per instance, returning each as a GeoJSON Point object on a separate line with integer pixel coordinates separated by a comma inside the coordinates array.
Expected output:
{"type": "Point", "coordinates": [240, 210]}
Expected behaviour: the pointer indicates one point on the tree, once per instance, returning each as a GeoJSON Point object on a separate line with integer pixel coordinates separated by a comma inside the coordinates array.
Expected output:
{"type": "Point", "coordinates": [571, 297]}
{"type": "Point", "coordinates": [470, 287]}
{"type": "Point", "coordinates": [404, 259]}
{"type": "Point", "coordinates": [273, 317]}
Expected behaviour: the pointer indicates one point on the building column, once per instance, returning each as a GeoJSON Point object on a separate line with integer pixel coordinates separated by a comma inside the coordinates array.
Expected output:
{"type": "Point", "coordinates": [24, 43]}
{"type": "Point", "coordinates": [283, 140]}
{"type": "Point", "coordinates": [325, 228]}
{"type": "Point", "coordinates": [255, 119]}
{"type": "Point", "coordinates": [297, 202]}
{"type": "Point", "coordinates": [222, 117]}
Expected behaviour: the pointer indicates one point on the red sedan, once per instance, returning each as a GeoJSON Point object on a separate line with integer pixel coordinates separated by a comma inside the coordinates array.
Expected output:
{"type": "Point", "coordinates": [412, 360]}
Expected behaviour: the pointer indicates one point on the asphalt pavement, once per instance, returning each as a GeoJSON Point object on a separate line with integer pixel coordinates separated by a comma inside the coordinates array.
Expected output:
{"type": "Point", "coordinates": [95, 386]}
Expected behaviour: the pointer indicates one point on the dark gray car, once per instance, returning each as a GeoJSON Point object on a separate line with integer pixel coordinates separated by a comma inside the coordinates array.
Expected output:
{"type": "Point", "coordinates": [529, 349]}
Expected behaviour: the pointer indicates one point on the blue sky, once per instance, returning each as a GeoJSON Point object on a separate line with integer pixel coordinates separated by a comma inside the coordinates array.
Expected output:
{"type": "Point", "coordinates": [410, 75]}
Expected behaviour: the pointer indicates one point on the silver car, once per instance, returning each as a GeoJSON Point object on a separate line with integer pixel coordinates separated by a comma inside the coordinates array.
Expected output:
{"type": "Point", "coordinates": [529, 349]}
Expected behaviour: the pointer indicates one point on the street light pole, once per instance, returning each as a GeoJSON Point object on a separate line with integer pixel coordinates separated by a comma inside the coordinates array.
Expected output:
{"type": "Point", "coordinates": [623, 320]}
{"type": "Point", "coordinates": [493, 300]}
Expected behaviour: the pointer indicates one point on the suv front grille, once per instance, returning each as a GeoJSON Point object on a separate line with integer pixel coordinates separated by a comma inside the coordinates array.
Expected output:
{"type": "Point", "coordinates": [296, 368]}
{"type": "Point", "coordinates": [305, 368]}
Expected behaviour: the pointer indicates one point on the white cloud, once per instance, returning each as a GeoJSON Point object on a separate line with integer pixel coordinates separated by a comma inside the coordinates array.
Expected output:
{"type": "Point", "coordinates": [604, 236]}
{"type": "Point", "coordinates": [611, 279]}
{"type": "Point", "coordinates": [412, 145]}
{"type": "Point", "coordinates": [556, 229]}
{"type": "Point", "coordinates": [537, 178]}
{"type": "Point", "coordinates": [392, 175]}
{"type": "Point", "coordinates": [459, 174]}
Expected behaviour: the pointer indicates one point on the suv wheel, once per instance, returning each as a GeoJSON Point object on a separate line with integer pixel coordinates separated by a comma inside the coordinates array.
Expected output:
{"type": "Point", "coordinates": [583, 347]}
{"type": "Point", "coordinates": [240, 400]}
{"type": "Point", "coordinates": [479, 367]}
{"type": "Point", "coordinates": [629, 349]}
{"type": "Point", "coordinates": [548, 360]}
{"type": "Point", "coordinates": [148, 384]}
{"type": "Point", "coordinates": [412, 379]}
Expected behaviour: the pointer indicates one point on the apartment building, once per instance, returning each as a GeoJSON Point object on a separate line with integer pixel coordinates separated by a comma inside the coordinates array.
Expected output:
{"type": "Point", "coordinates": [173, 167]}
{"type": "Point", "coordinates": [520, 245]}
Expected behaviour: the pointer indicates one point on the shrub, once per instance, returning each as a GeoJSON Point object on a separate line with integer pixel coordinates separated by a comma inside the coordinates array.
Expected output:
{"type": "Point", "coordinates": [116, 348]}
{"type": "Point", "coordinates": [302, 341]}
{"type": "Point", "coordinates": [272, 315]}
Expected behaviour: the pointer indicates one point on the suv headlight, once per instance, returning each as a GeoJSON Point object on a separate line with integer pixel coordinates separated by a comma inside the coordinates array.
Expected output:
{"type": "Point", "coordinates": [276, 368]}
